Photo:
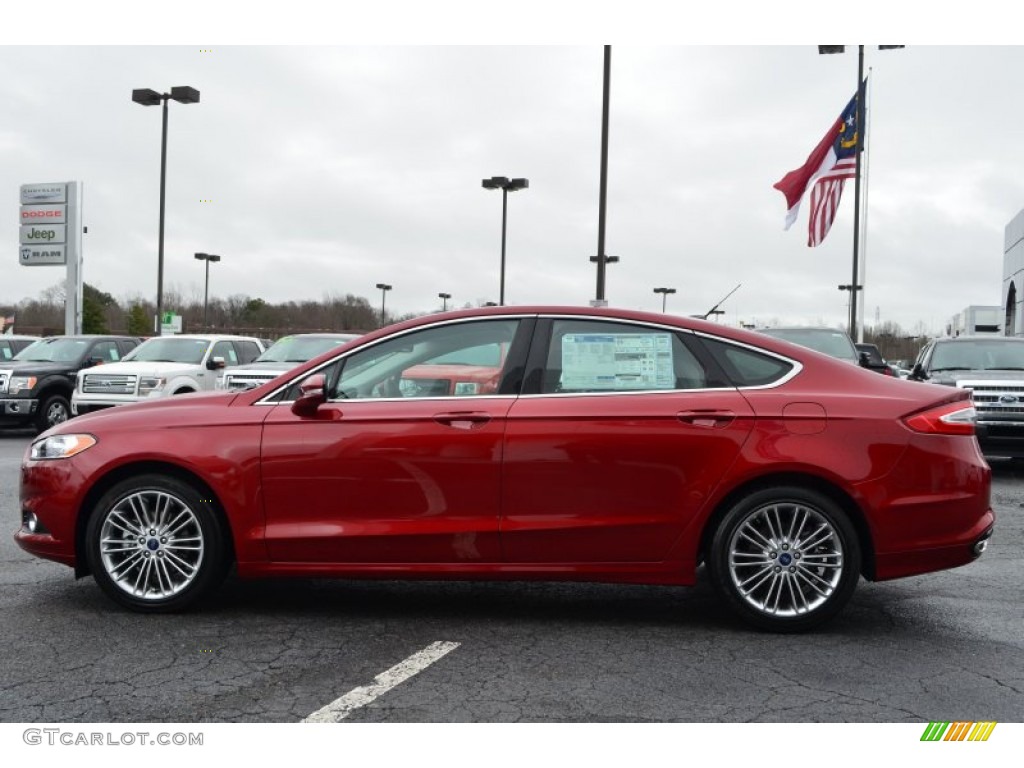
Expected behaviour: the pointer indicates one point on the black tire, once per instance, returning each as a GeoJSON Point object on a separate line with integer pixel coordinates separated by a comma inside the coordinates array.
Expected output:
{"type": "Point", "coordinates": [156, 544]}
{"type": "Point", "coordinates": [785, 559]}
{"type": "Point", "coordinates": [53, 410]}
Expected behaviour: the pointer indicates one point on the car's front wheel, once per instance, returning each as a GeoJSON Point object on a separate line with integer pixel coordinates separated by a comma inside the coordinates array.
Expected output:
{"type": "Point", "coordinates": [785, 559]}
{"type": "Point", "coordinates": [155, 543]}
{"type": "Point", "coordinates": [53, 410]}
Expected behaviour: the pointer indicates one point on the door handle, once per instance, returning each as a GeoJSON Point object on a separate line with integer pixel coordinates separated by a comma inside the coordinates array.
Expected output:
{"type": "Point", "coordinates": [708, 418]}
{"type": "Point", "coordinates": [463, 419]}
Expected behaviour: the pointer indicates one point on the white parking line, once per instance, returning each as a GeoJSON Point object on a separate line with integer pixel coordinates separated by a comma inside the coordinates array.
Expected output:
{"type": "Point", "coordinates": [340, 708]}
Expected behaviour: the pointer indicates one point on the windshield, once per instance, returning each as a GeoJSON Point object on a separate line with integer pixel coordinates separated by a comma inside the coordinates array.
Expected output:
{"type": "Point", "coordinates": [54, 350]}
{"type": "Point", "coordinates": [978, 356]}
{"type": "Point", "coordinates": [299, 349]}
{"type": "Point", "coordinates": [169, 350]}
{"type": "Point", "coordinates": [832, 342]}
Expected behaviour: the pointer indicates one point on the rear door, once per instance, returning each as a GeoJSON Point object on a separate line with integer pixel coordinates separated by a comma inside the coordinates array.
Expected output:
{"type": "Point", "coordinates": [620, 437]}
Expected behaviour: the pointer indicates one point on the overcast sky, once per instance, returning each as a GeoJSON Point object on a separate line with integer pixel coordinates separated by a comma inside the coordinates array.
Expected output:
{"type": "Point", "coordinates": [318, 170]}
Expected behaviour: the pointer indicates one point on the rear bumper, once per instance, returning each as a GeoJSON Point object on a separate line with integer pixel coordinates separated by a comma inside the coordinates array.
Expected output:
{"type": "Point", "coordinates": [895, 565]}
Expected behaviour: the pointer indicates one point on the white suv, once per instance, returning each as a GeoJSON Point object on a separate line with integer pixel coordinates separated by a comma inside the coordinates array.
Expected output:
{"type": "Point", "coordinates": [162, 366]}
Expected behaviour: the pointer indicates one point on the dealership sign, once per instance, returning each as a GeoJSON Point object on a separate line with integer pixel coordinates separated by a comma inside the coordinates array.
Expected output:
{"type": "Point", "coordinates": [50, 235]}
{"type": "Point", "coordinates": [44, 216]}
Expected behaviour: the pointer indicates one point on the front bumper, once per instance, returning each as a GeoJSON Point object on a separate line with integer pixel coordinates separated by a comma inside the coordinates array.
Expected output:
{"type": "Point", "coordinates": [17, 409]}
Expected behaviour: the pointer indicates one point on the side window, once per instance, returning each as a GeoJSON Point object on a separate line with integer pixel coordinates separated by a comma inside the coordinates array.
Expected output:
{"type": "Point", "coordinates": [746, 367]}
{"type": "Point", "coordinates": [597, 356]}
{"type": "Point", "coordinates": [106, 351]}
{"type": "Point", "coordinates": [226, 350]}
{"type": "Point", "coordinates": [127, 345]}
{"type": "Point", "coordinates": [247, 351]}
{"type": "Point", "coordinates": [454, 360]}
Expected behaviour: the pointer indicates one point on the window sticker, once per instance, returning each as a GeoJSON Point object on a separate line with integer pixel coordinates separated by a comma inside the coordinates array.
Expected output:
{"type": "Point", "coordinates": [616, 361]}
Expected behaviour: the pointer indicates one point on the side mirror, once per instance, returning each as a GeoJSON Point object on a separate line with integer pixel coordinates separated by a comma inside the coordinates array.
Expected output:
{"type": "Point", "coordinates": [215, 363]}
{"type": "Point", "coordinates": [918, 373]}
{"type": "Point", "coordinates": [93, 361]}
{"type": "Point", "coordinates": [863, 360]}
{"type": "Point", "coordinates": [311, 396]}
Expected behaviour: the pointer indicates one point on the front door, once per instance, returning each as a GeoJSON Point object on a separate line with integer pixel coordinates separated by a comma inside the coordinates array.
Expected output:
{"type": "Point", "coordinates": [395, 468]}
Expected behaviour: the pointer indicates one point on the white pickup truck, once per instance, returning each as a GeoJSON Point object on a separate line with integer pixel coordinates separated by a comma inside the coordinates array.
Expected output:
{"type": "Point", "coordinates": [162, 366]}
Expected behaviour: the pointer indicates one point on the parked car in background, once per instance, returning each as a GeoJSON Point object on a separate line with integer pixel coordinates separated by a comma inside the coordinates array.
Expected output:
{"type": "Point", "coordinates": [282, 356]}
{"type": "Point", "coordinates": [830, 341]}
{"type": "Point", "coordinates": [614, 446]}
{"type": "Point", "coordinates": [992, 369]}
{"type": "Point", "coordinates": [163, 366]}
{"type": "Point", "coordinates": [871, 357]}
{"type": "Point", "coordinates": [37, 384]}
{"type": "Point", "coordinates": [10, 345]}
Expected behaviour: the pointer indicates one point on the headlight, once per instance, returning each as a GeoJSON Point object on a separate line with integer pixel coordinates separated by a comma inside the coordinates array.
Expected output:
{"type": "Point", "coordinates": [220, 383]}
{"type": "Point", "coordinates": [18, 383]}
{"type": "Point", "coordinates": [60, 446]}
{"type": "Point", "coordinates": [151, 384]}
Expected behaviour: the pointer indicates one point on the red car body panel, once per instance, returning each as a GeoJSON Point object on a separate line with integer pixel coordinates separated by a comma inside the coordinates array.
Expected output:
{"type": "Point", "coordinates": [615, 487]}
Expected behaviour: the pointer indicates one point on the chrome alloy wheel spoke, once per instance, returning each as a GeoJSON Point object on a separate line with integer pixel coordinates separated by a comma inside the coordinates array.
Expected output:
{"type": "Point", "coordinates": [151, 544]}
{"type": "Point", "coordinates": [785, 559]}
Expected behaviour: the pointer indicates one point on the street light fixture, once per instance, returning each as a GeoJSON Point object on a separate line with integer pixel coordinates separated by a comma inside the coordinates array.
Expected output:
{"type": "Point", "coordinates": [183, 94]}
{"type": "Point", "coordinates": [207, 257]}
{"type": "Point", "coordinates": [825, 50]}
{"type": "Point", "coordinates": [444, 298]}
{"type": "Point", "coordinates": [506, 185]}
{"type": "Point", "coordinates": [664, 295]}
{"type": "Point", "coordinates": [384, 288]}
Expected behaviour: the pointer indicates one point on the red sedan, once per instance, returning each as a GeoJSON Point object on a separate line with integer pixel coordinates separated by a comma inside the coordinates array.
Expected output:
{"type": "Point", "coordinates": [604, 445]}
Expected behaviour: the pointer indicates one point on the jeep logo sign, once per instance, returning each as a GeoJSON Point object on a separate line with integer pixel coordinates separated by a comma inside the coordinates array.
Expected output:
{"type": "Point", "coordinates": [35, 234]}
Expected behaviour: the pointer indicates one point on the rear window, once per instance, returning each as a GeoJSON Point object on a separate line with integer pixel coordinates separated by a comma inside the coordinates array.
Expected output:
{"type": "Point", "coordinates": [746, 367]}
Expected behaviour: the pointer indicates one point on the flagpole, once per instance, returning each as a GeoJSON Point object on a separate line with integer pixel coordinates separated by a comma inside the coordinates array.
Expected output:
{"type": "Point", "coordinates": [854, 285]}
{"type": "Point", "coordinates": [864, 222]}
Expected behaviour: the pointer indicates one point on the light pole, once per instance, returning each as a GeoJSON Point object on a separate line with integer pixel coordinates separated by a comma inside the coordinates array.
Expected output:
{"type": "Point", "coordinates": [506, 185]}
{"type": "Point", "coordinates": [147, 97]}
{"type": "Point", "coordinates": [384, 288]}
{"type": "Point", "coordinates": [444, 298]}
{"type": "Point", "coordinates": [601, 262]}
{"type": "Point", "coordinates": [664, 295]}
{"type": "Point", "coordinates": [207, 257]}
{"type": "Point", "coordinates": [856, 284]}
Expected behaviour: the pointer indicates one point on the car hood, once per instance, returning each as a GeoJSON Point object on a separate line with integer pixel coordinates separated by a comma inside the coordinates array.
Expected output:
{"type": "Point", "coordinates": [30, 368]}
{"type": "Point", "coordinates": [951, 377]}
{"type": "Point", "coordinates": [140, 368]}
{"type": "Point", "coordinates": [264, 367]}
{"type": "Point", "coordinates": [168, 412]}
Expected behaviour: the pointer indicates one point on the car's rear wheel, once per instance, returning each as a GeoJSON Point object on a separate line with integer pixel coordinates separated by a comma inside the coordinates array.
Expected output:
{"type": "Point", "coordinates": [785, 559]}
{"type": "Point", "coordinates": [155, 543]}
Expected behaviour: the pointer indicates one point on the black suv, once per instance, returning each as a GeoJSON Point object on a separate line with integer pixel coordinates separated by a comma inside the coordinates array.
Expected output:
{"type": "Point", "coordinates": [871, 357]}
{"type": "Point", "coordinates": [992, 367]}
{"type": "Point", "coordinates": [36, 385]}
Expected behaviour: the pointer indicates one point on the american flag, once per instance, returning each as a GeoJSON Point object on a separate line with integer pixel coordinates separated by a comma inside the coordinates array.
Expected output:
{"type": "Point", "coordinates": [828, 167]}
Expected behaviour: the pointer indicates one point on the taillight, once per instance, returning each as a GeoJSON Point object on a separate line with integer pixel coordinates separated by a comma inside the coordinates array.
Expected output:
{"type": "Point", "coordinates": [949, 419]}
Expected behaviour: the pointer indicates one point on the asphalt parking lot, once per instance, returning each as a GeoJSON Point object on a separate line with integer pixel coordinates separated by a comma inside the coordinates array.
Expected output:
{"type": "Point", "coordinates": [944, 646]}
